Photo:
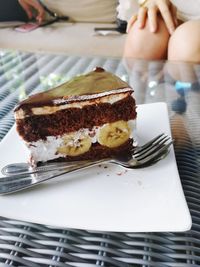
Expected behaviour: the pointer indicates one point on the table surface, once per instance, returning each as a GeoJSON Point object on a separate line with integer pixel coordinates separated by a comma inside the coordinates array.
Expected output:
{"type": "Point", "coordinates": [177, 84]}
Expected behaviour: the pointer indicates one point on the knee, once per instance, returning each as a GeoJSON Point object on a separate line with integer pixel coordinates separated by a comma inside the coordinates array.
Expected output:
{"type": "Point", "coordinates": [184, 44]}
{"type": "Point", "coordinates": [143, 44]}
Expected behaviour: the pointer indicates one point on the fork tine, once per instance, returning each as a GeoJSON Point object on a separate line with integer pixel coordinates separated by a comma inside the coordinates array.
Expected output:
{"type": "Point", "coordinates": [163, 138]}
{"type": "Point", "coordinates": [156, 146]}
{"type": "Point", "coordinates": [147, 145]}
{"type": "Point", "coordinates": [157, 153]}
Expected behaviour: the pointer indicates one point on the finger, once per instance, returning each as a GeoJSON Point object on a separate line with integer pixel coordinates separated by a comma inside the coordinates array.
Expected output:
{"type": "Point", "coordinates": [174, 14]}
{"type": "Point", "coordinates": [142, 15]}
{"type": "Point", "coordinates": [40, 16]}
{"type": "Point", "coordinates": [131, 22]}
{"type": "Point", "coordinates": [40, 10]}
{"type": "Point", "coordinates": [167, 17]}
{"type": "Point", "coordinates": [152, 18]}
{"type": "Point", "coordinates": [26, 9]}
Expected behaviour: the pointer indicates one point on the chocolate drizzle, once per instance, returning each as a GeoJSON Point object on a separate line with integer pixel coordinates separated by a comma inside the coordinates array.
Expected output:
{"type": "Point", "coordinates": [95, 82]}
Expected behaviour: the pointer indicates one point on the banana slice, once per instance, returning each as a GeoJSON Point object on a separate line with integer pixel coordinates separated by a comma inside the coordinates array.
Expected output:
{"type": "Point", "coordinates": [114, 134]}
{"type": "Point", "coordinates": [73, 146]}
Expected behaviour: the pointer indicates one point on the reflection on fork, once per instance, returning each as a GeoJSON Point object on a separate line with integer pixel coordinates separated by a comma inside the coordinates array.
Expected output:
{"type": "Point", "coordinates": [18, 178]}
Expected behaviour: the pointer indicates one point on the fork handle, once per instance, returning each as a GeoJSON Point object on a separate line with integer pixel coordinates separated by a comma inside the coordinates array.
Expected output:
{"type": "Point", "coordinates": [17, 183]}
{"type": "Point", "coordinates": [24, 169]}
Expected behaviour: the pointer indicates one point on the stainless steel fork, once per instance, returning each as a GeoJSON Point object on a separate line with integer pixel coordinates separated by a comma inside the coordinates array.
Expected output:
{"type": "Point", "coordinates": [143, 156]}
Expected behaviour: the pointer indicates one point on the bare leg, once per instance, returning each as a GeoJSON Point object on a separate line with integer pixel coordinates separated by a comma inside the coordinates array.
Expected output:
{"type": "Point", "coordinates": [184, 44]}
{"type": "Point", "coordinates": [184, 47]}
{"type": "Point", "coordinates": [143, 44]}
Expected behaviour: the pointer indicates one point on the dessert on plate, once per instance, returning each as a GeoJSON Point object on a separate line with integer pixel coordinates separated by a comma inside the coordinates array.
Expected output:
{"type": "Point", "coordinates": [89, 117]}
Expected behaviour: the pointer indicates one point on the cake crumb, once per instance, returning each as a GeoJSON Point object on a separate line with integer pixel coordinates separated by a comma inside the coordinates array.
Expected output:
{"type": "Point", "coordinates": [121, 173]}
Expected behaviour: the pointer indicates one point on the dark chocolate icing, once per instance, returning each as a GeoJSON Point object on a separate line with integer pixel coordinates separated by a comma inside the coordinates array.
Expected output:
{"type": "Point", "coordinates": [94, 82]}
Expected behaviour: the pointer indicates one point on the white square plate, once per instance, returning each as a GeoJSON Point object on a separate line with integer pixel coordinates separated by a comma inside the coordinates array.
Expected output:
{"type": "Point", "coordinates": [105, 198]}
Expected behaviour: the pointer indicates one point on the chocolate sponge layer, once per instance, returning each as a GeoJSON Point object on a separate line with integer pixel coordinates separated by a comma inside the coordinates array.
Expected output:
{"type": "Point", "coordinates": [38, 127]}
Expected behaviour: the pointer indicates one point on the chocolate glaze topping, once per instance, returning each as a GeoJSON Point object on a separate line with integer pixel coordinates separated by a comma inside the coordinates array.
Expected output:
{"type": "Point", "coordinates": [94, 82]}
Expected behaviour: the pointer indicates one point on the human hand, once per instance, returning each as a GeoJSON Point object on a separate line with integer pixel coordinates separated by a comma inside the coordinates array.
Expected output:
{"type": "Point", "coordinates": [29, 6]}
{"type": "Point", "coordinates": [150, 9]}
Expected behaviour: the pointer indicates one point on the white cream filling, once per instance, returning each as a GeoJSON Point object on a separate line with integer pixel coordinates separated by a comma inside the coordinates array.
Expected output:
{"type": "Point", "coordinates": [44, 150]}
{"type": "Point", "coordinates": [106, 97]}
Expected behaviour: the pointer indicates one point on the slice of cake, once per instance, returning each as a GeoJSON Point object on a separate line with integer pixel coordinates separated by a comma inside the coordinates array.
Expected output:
{"type": "Point", "coordinates": [88, 117]}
